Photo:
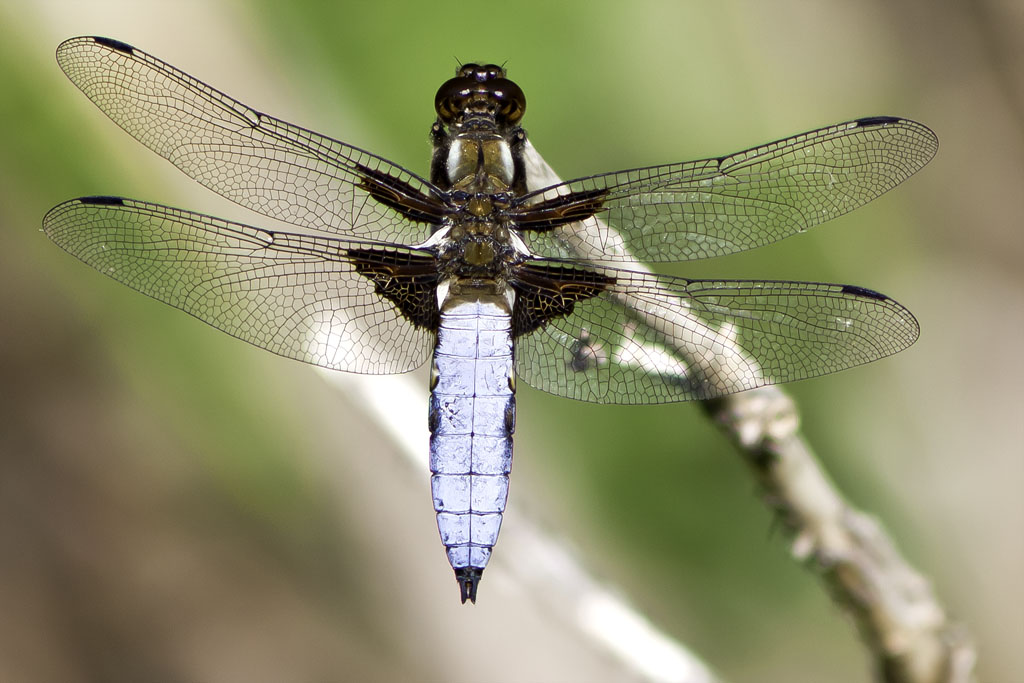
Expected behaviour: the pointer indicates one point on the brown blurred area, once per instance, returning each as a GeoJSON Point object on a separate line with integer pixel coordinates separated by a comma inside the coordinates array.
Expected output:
{"type": "Point", "coordinates": [126, 554]}
{"type": "Point", "coordinates": [178, 506]}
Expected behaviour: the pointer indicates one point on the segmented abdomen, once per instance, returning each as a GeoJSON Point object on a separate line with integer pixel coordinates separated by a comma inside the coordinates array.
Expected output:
{"type": "Point", "coordinates": [472, 418]}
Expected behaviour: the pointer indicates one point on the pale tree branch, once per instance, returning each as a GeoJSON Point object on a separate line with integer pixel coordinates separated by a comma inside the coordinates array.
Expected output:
{"type": "Point", "coordinates": [908, 634]}
{"type": "Point", "coordinates": [910, 638]}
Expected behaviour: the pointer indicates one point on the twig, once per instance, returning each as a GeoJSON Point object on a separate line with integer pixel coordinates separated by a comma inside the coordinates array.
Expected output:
{"type": "Point", "coordinates": [901, 621]}
{"type": "Point", "coordinates": [896, 612]}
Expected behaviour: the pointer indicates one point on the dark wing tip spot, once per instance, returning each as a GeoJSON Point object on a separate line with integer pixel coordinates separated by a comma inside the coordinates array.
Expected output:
{"type": "Point", "coordinates": [114, 44]}
{"type": "Point", "coordinates": [877, 120]}
{"type": "Point", "coordinates": [102, 201]}
{"type": "Point", "coordinates": [864, 292]}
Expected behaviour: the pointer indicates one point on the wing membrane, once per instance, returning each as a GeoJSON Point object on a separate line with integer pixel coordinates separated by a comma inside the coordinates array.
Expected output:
{"type": "Point", "coordinates": [296, 295]}
{"type": "Point", "coordinates": [262, 163]}
{"type": "Point", "coordinates": [648, 339]}
{"type": "Point", "coordinates": [714, 207]}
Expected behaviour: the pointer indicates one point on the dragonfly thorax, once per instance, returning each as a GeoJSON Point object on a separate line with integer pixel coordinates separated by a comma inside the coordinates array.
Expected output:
{"type": "Point", "coordinates": [478, 248]}
{"type": "Point", "coordinates": [480, 162]}
{"type": "Point", "coordinates": [478, 144]}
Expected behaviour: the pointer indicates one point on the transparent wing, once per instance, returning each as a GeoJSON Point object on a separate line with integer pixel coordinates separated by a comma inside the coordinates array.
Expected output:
{"type": "Point", "coordinates": [262, 163]}
{"type": "Point", "coordinates": [713, 207]}
{"type": "Point", "coordinates": [648, 339]}
{"type": "Point", "coordinates": [296, 295]}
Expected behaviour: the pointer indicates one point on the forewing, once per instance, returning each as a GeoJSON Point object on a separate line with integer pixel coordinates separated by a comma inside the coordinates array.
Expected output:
{"type": "Point", "coordinates": [651, 339]}
{"type": "Point", "coordinates": [299, 296]}
{"type": "Point", "coordinates": [265, 164]}
{"type": "Point", "coordinates": [714, 207]}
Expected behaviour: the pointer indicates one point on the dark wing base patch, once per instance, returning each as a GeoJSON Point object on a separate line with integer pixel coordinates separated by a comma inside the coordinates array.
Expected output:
{"type": "Point", "coordinates": [545, 291]}
{"type": "Point", "coordinates": [400, 196]}
{"type": "Point", "coordinates": [552, 213]}
{"type": "Point", "coordinates": [407, 280]}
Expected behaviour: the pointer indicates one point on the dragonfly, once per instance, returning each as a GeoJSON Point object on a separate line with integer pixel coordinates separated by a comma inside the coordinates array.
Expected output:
{"type": "Point", "coordinates": [488, 269]}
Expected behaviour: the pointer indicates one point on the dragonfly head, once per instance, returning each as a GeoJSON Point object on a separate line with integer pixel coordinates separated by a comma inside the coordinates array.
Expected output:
{"type": "Point", "coordinates": [480, 91]}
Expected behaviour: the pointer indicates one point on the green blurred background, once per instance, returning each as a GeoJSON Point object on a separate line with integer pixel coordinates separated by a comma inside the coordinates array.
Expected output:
{"type": "Point", "coordinates": [177, 505]}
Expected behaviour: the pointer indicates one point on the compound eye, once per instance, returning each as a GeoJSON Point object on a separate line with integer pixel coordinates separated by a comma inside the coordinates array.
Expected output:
{"type": "Point", "coordinates": [480, 72]}
{"type": "Point", "coordinates": [467, 70]}
{"type": "Point", "coordinates": [452, 96]}
{"type": "Point", "coordinates": [510, 98]}
{"type": "Point", "coordinates": [479, 95]}
{"type": "Point", "coordinates": [489, 72]}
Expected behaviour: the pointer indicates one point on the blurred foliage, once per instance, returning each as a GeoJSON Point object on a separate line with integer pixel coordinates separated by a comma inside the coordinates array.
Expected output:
{"type": "Point", "coordinates": [653, 497]}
